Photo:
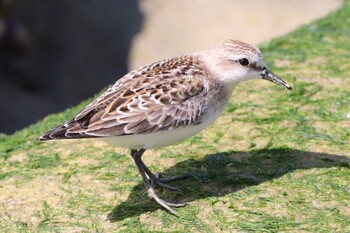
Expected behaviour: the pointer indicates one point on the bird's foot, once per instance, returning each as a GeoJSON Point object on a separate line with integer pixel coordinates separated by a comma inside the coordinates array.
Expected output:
{"type": "Point", "coordinates": [149, 177]}
{"type": "Point", "coordinates": [173, 178]}
{"type": "Point", "coordinates": [155, 179]}
{"type": "Point", "coordinates": [166, 205]}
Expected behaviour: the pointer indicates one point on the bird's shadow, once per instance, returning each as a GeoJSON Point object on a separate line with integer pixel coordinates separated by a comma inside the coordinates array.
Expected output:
{"type": "Point", "coordinates": [223, 173]}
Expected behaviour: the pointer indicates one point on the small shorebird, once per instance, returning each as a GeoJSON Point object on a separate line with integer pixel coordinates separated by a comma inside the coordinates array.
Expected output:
{"type": "Point", "coordinates": [166, 102]}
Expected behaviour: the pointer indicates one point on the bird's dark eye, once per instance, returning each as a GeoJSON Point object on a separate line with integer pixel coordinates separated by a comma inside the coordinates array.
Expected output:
{"type": "Point", "coordinates": [244, 61]}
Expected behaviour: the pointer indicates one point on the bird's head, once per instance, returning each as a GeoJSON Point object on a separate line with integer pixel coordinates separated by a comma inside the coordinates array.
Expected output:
{"type": "Point", "coordinates": [234, 61]}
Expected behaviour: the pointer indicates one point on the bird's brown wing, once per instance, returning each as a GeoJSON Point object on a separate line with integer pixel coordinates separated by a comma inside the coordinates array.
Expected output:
{"type": "Point", "coordinates": [162, 96]}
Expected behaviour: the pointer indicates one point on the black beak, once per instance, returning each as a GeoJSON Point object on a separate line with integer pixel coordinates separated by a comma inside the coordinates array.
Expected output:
{"type": "Point", "coordinates": [268, 75]}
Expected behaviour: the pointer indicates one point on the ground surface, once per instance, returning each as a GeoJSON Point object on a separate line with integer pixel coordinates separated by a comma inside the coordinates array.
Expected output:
{"type": "Point", "coordinates": [275, 161]}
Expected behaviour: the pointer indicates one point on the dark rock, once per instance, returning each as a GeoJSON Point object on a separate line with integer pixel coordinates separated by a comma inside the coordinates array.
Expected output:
{"type": "Point", "coordinates": [53, 54]}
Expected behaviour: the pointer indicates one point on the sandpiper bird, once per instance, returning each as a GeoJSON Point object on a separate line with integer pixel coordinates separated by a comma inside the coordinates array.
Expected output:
{"type": "Point", "coordinates": [165, 102]}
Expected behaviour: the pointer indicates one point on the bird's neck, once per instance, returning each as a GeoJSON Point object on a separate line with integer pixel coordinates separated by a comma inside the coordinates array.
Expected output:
{"type": "Point", "coordinates": [229, 77]}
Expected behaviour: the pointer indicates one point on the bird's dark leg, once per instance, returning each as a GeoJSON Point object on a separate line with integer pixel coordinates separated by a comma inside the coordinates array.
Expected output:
{"type": "Point", "coordinates": [136, 155]}
{"type": "Point", "coordinates": [161, 182]}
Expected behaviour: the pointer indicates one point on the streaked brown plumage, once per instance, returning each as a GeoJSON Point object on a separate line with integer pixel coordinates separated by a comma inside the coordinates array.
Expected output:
{"type": "Point", "coordinates": [162, 96]}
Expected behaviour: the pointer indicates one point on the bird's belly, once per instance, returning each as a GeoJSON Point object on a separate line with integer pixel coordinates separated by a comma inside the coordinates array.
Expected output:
{"type": "Point", "coordinates": [163, 138]}
{"type": "Point", "coordinates": [149, 141]}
